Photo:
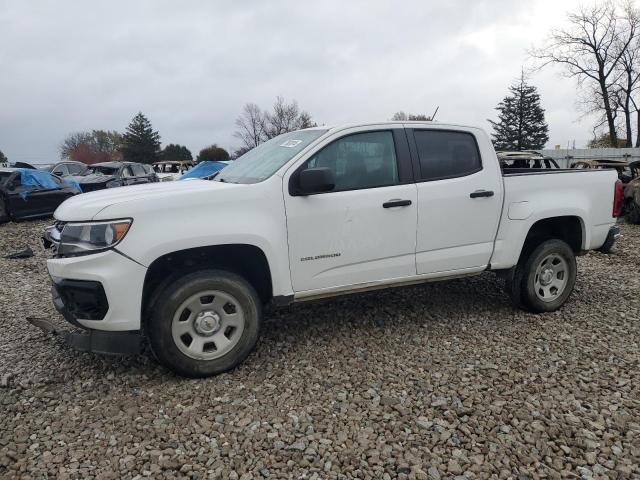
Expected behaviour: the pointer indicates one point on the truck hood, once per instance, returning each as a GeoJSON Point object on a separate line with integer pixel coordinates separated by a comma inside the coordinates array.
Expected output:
{"type": "Point", "coordinates": [135, 199]}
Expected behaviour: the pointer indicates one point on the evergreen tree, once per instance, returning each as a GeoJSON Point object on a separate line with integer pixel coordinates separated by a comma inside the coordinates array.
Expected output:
{"type": "Point", "coordinates": [521, 124]}
{"type": "Point", "coordinates": [176, 153]}
{"type": "Point", "coordinates": [213, 152]}
{"type": "Point", "coordinates": [3, 157]}
{"type": "Point", "coordinates": [140, 142]}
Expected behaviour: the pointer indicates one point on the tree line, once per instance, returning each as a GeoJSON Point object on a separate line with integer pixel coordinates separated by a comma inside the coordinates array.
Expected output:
{"type": "Point", "coordinates": [140, 143]}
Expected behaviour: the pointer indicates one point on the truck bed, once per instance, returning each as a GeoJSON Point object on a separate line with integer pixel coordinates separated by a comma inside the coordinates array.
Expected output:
{"type": "Point", "coordinates": [511, 172]}
{"type": "Point", "coordinates": [532, 194]}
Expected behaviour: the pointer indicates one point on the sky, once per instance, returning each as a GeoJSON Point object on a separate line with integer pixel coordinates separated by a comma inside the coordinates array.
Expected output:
{"type": "Point", "coordinates": [190, 66]}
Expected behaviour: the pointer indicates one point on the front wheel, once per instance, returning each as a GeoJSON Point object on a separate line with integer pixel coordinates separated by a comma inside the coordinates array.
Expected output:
{"type": "Point", "coordinates": [205, 323]}
{"type": "Point", "coordinates": [544, 279]}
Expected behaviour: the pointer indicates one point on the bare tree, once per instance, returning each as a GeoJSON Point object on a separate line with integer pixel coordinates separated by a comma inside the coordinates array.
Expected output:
{"type": "Point", "coordinates": [629, 70]}
{"type": "Point", "coordinates": [305, 120]}
{"type": "Point", "coordinates": [400, 117]}
{"type": "Point", "coordinates": [286, 117]}
{"type": "Point", "coordinates": [590, 49]}
{"type": "Point", "coordinates": [255, 126]}
{"type": "Point", "coordinates": [73, 141]}
{"type": "Point", "coordinates": [251, 126]}
{"type": "Point", "coordinates": [403, 117]}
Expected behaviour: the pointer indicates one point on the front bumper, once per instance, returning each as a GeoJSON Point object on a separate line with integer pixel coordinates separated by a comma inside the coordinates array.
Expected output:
{"type": "Point", "coordinates": [102, 291]}
{"type": "Point", "coordinates": [79, 299]}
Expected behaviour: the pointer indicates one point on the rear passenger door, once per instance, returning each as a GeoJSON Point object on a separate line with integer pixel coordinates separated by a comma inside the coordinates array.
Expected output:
{"type": "Point", "coordinates": [459, 200]}
{"type": "Point", "coordinates": [126, 173]}
{"type": "Point", "coordinates": [139, 173]}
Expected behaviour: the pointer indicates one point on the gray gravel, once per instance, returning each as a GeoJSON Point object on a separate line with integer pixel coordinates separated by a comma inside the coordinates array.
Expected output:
{"type": "Point", "coordinates": [454, 384]}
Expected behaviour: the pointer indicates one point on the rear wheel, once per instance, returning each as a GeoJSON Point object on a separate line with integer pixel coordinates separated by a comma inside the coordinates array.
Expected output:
{"type": "Point", "coordinates": [543, 280]}
{"type": "Point", "coordinates": [205, 323]}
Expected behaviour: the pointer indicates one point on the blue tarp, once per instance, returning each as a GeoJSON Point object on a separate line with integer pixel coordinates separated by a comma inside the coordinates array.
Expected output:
{"type": "Point", "coordinates": [72, 183]}
{"type": "Point", "coordinates": [40, 179]}
{"type": "Point", "coordinates": [203, 169]}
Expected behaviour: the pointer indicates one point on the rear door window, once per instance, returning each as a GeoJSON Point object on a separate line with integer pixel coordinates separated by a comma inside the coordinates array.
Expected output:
{"type": "Point", "coordinates": [138, 170]}
{"type": "Point", "coordinates": [446, 154]}
{"type": "Point", "coordinates": [75, 169]}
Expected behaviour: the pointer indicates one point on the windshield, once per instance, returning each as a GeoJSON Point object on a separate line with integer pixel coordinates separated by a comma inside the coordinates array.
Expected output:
{"type": "Point", "coordinates": [263, 161]}
{"type": "Point", "coordinates": [102, 170]}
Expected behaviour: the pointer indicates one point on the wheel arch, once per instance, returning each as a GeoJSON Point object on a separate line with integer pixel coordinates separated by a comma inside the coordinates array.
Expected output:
{"type": "Point", "coordinates": [568, 228]}
{"type": "Point", "coordinates": [246, 260]}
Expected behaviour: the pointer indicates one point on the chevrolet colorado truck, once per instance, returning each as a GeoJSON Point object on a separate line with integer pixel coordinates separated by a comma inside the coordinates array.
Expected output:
{"type": "Point", "coordinates": [310, 214]}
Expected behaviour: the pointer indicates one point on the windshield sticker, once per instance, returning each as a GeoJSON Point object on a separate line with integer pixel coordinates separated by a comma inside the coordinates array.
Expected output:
{"type": "Point", "coordinates": [291, 143]}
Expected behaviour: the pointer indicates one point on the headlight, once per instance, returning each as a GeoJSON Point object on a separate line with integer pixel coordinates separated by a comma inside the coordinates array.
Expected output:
{"type": "Point", "coordinates": [91, 237]}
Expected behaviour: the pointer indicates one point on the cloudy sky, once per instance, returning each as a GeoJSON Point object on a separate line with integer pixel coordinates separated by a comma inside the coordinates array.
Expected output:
{"type": "Point", "coordinates": [190, 66]}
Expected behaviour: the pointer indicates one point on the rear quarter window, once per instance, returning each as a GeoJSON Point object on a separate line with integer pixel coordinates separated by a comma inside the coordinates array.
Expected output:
{"type": "Point", "coordinates": [446, 154]}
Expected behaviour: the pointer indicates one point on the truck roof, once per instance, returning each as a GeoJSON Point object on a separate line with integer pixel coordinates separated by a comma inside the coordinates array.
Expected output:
{"type": "Point", "coordinates": [390, 122]}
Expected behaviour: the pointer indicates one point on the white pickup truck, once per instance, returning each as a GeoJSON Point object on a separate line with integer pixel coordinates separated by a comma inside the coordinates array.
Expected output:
{"type": "Point", "coordinates": [311, 214]}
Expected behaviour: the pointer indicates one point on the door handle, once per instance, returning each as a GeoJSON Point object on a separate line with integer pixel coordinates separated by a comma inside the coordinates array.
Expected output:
{"type": "Point", "coordinates": [481, 193]}
{"type": "Point", "coordinates": [396, 203]}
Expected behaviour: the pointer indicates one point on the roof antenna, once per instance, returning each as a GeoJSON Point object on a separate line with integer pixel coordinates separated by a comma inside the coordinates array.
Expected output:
{"type": "Point", "coordinates": [434, 114]}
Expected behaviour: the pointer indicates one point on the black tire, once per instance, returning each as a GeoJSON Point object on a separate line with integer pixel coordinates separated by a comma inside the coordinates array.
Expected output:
{"type": "Point", "coordinates": [521, 280]}
{"type": "Point", "coordinates": [4, 213]}
{"type": "Point", "coordinates": [633, 214]}
{"type": "Point", "coordinates": [607, 247]}
{"type": "Point", "coordinates": [159, 324]}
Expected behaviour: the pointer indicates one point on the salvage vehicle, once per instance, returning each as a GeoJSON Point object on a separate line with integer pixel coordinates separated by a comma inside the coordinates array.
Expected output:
{"type": "Point", "coordinates": [620, 166]}
{"type": "Point", "coordinates": [65, 168]}
{"type": "Point", "coordinates": [115, 174]}
{"type": "Point", "coordinates": [631, 205]}
{"type": "Point", "coordinates": [525, 159]}
{"type": "Point", "coordinates": [311, 214]}
{"type": "Point", "coordinates": [27, 193]}
{"type": "Point", "coordinates": [169, 170]}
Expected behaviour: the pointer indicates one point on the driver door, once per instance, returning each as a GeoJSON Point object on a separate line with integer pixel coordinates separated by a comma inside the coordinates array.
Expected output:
{"type": "Point", "coordinates": [364, 230]}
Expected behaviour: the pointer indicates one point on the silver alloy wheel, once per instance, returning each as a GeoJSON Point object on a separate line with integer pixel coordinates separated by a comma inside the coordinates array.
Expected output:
{"type": "Point", "coordinates": [551, 277]}
{"type": "Point", "coordinates": [208, 325]}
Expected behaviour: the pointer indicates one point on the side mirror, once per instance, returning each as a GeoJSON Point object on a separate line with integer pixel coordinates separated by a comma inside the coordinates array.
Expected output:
{"type": "Point", "coordinates": [315, 180]}
{"type": "Point", "coordinates": [57, 174]}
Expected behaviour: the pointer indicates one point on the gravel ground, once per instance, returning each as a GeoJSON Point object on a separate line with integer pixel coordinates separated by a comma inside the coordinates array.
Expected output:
{"type": "Point", "coordinates": [434, 381]}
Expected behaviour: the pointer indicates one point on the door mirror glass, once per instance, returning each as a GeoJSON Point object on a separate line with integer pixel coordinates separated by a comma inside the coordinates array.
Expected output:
{"type": "Point", "coordinates": [315, 180]}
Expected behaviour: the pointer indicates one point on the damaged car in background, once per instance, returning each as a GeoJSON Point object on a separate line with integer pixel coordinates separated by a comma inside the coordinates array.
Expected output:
{"type": "Point", "coordinates": [632, 194]}
{"type": "Point", "coordinates": [27, 193]}
{"type": "Point", "coordinates": [115, 174]}
{"type": "Point", "coordinates": [64, 169]}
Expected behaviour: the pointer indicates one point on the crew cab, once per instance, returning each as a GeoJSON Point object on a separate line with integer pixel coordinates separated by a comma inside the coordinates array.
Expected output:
{"type": "Point", "coordinates": [317, 213]}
